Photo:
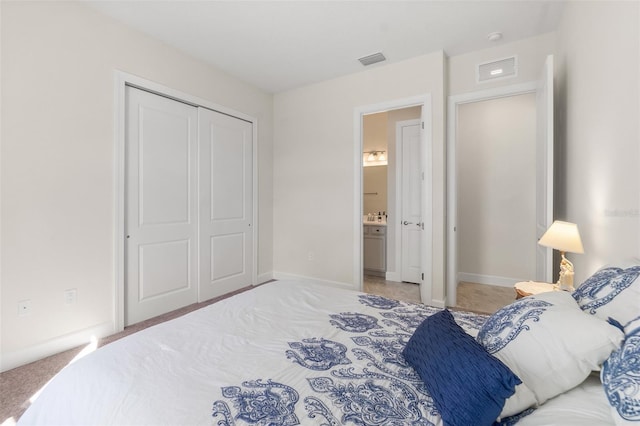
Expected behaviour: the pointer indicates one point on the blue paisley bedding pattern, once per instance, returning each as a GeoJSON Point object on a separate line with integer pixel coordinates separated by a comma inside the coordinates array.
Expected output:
{"type": "Point", "coordinates": [621, 375]}
{"type": "Point", "coordinates": [364, 382]}
{"type": "Point", "coordinates": [603, 286]}
{"type": "Point", "coordinates": [505, 326]}
{"type": "Point", "coordinates": [261, 403]}
{"type": "Point", "coordinates": [318, 354]}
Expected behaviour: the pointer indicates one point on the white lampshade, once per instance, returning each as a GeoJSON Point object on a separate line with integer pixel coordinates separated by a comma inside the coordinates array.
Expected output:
{"type": "Point", "coordinates": [563, 236]}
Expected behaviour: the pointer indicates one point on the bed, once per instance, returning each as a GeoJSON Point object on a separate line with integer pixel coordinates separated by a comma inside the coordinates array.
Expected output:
{"type": "Point", "coordinates": [284, 353]}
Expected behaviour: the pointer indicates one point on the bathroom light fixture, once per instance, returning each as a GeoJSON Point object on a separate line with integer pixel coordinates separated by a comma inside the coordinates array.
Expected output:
{"type": "Point", "coordinates": [563, 236]}
{"type": "Point", "coordinates": [374, 158]}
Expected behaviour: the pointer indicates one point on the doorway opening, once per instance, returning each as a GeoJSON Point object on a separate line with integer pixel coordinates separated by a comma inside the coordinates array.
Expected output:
{"type": "Point", "coordinates": [500, 184]}
{"type": "Point", "coordinates": [384, 132]}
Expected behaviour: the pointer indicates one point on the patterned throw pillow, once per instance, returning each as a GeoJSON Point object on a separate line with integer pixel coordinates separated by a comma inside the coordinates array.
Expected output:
{"type": "Point", "coordinates": [612, 292]}
{"type": "Point", "coordinates": [620, 376]}
{"type": "Point", "coordinates": [548, 342]}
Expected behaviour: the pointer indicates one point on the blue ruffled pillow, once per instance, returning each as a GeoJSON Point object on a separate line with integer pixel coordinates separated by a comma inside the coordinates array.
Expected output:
{"type": "Point", "coordinates": [468, 385]}
{"type": "Point", "coordinates": [620, 376]}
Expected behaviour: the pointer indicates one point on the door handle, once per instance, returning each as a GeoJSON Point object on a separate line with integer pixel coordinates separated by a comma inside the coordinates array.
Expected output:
{"type": "Point", "coordinates": [407, 223]}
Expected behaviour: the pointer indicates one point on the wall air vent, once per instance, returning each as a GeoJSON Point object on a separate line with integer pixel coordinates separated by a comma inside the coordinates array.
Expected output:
{"type": "Point", "coordinates": [372, 59]}
{"type": "Point", "coordinates": [501, 68]}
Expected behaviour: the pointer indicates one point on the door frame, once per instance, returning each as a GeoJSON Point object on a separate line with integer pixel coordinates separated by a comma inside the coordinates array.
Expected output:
{"type": "Point", "coordinates": [121, 80]}
{"type": "Point", "coordinates": [427, 158]}
{"type": "Point", "coordinates": [452, 190]}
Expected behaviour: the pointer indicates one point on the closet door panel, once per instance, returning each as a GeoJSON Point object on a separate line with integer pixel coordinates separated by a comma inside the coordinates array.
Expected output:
{"type": "Point", "coordinates": [161, 205]}
{"type": "Point", "coordinates": [226, 203]}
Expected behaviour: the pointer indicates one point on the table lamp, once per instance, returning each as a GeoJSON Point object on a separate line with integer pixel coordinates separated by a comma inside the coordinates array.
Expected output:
{"type": "Point", "coordinates": [563, 236]}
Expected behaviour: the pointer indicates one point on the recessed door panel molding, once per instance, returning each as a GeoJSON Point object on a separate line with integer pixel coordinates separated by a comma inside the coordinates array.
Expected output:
{"type": "Point", "coordinates": [164, 268]}
{"type": "Point", "coordinates": [226, 203]}
{"type": "Point", "coordinates": [227, 255]}
{"type": "Point", "coordinates": [164, 168]}
{"type": "Point", "coordinates": [228, 155]}
{"type": "Point", "coordinates": [161, 213]}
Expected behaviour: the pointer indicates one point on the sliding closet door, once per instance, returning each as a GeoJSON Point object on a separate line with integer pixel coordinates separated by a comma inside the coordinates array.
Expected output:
{"type": "Point", "coordinates": [226, 203]}
{"type": "Point", "coordinates": [161, 205]}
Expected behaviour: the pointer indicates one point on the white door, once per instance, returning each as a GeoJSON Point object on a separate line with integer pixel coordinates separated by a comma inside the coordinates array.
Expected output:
{"type": "Point", "coordinates": [411, 214]}
{"type": "Point", "coordinates": [161, 205]}
{"type": "Point", "coordinates": [544, 169]}
{"type": "Point", "coordinates": [226, 203]}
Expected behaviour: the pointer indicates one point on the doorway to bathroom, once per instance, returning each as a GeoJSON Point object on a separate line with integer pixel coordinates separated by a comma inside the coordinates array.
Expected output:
{"type": "Point", "coordinates": [394, 194]}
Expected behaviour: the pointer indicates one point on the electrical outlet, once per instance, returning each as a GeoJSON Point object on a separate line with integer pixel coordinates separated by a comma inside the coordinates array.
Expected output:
{"type": "Point", "coordinates": [310, 256]}
{"type": "Point", "coordinates": [24, 308]}
{"type": "Point", "coordinates": [70, 296]}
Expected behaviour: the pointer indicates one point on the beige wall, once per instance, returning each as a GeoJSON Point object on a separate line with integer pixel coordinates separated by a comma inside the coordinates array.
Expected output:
{"type": "Point", "coordinates": [314, 198]}
{"type": "Point", "coordinates": [58, 62]}
{"type": "Point", "coordinates": [598, 116]}
{"type": "Point", "coordinates": [374, 189]}
{"type": "Point", "coordinates": [374, 132]}
{"type": "Point", "coordinates": [374, 178]}
{"type": "Point", "coordinates": [496, 151]}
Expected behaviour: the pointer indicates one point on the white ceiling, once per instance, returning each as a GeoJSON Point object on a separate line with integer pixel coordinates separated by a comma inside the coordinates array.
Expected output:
{"type": "Point", "coordinates": [279, 45]}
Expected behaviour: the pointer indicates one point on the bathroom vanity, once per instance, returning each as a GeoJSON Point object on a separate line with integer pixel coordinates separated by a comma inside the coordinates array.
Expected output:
{"type": "Point", "coordinates": [375, 248]}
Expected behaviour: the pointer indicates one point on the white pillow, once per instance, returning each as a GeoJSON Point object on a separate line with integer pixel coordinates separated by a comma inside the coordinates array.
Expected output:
{"type": "Point", "coordinates": [612, 292]}
{"type": "Point", "coordinates": [620, 376]}
{"type": "Point", "coordinates": [548, 342]}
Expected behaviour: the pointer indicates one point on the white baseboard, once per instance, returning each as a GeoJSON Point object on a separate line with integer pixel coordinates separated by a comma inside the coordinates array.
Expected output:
{"type": "Point", "coordinates": [488, 279]}
{"type": "Point", "coordinates": [288, 276]}
{"type": "Point", "coordinates": [59, 344]}
{"type": "Point", "coordinates": [263, 278]}
{"type": "Point", "coordinates": [437, 303]}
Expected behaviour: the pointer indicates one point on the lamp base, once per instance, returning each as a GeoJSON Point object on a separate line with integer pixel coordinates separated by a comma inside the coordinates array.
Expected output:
{"type": "Point", "coordinates": [565, 281]}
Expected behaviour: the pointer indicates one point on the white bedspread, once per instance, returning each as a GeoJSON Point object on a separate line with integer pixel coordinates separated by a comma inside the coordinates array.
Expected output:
{"type": "Point", "coordinates": [284, 353]}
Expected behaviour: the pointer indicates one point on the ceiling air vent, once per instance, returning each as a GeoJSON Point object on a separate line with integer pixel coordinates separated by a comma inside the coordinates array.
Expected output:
{"type": "Point", "coordinates": [372, 59]}
{"type": "Point", "coordinates": [501, 68]}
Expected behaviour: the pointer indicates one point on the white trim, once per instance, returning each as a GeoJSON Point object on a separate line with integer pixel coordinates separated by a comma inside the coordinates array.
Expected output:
{"type": "Point", "coordinates": [425, 102]}
{"type": "Point", "coordinates": [493, 280]}
{"type": "Point", "coordinates": [437, 303]}
{"type": "Point", "coordinates": [59, 344]}
{"type": "Point", "coordinates": [288, 276]}
{"type": "Point", "coordinates": [426, 286]}
{"type": "Point", "coordinates": [119, 112]}
{"type": "Point", "coordinates": [452, 192]}
{"type": "Point", "coordinates": [263, 278]}
{"type": "Point", "coordinates": [121, 80]}
{"type": "Point", "coordinates": [358, 238]}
